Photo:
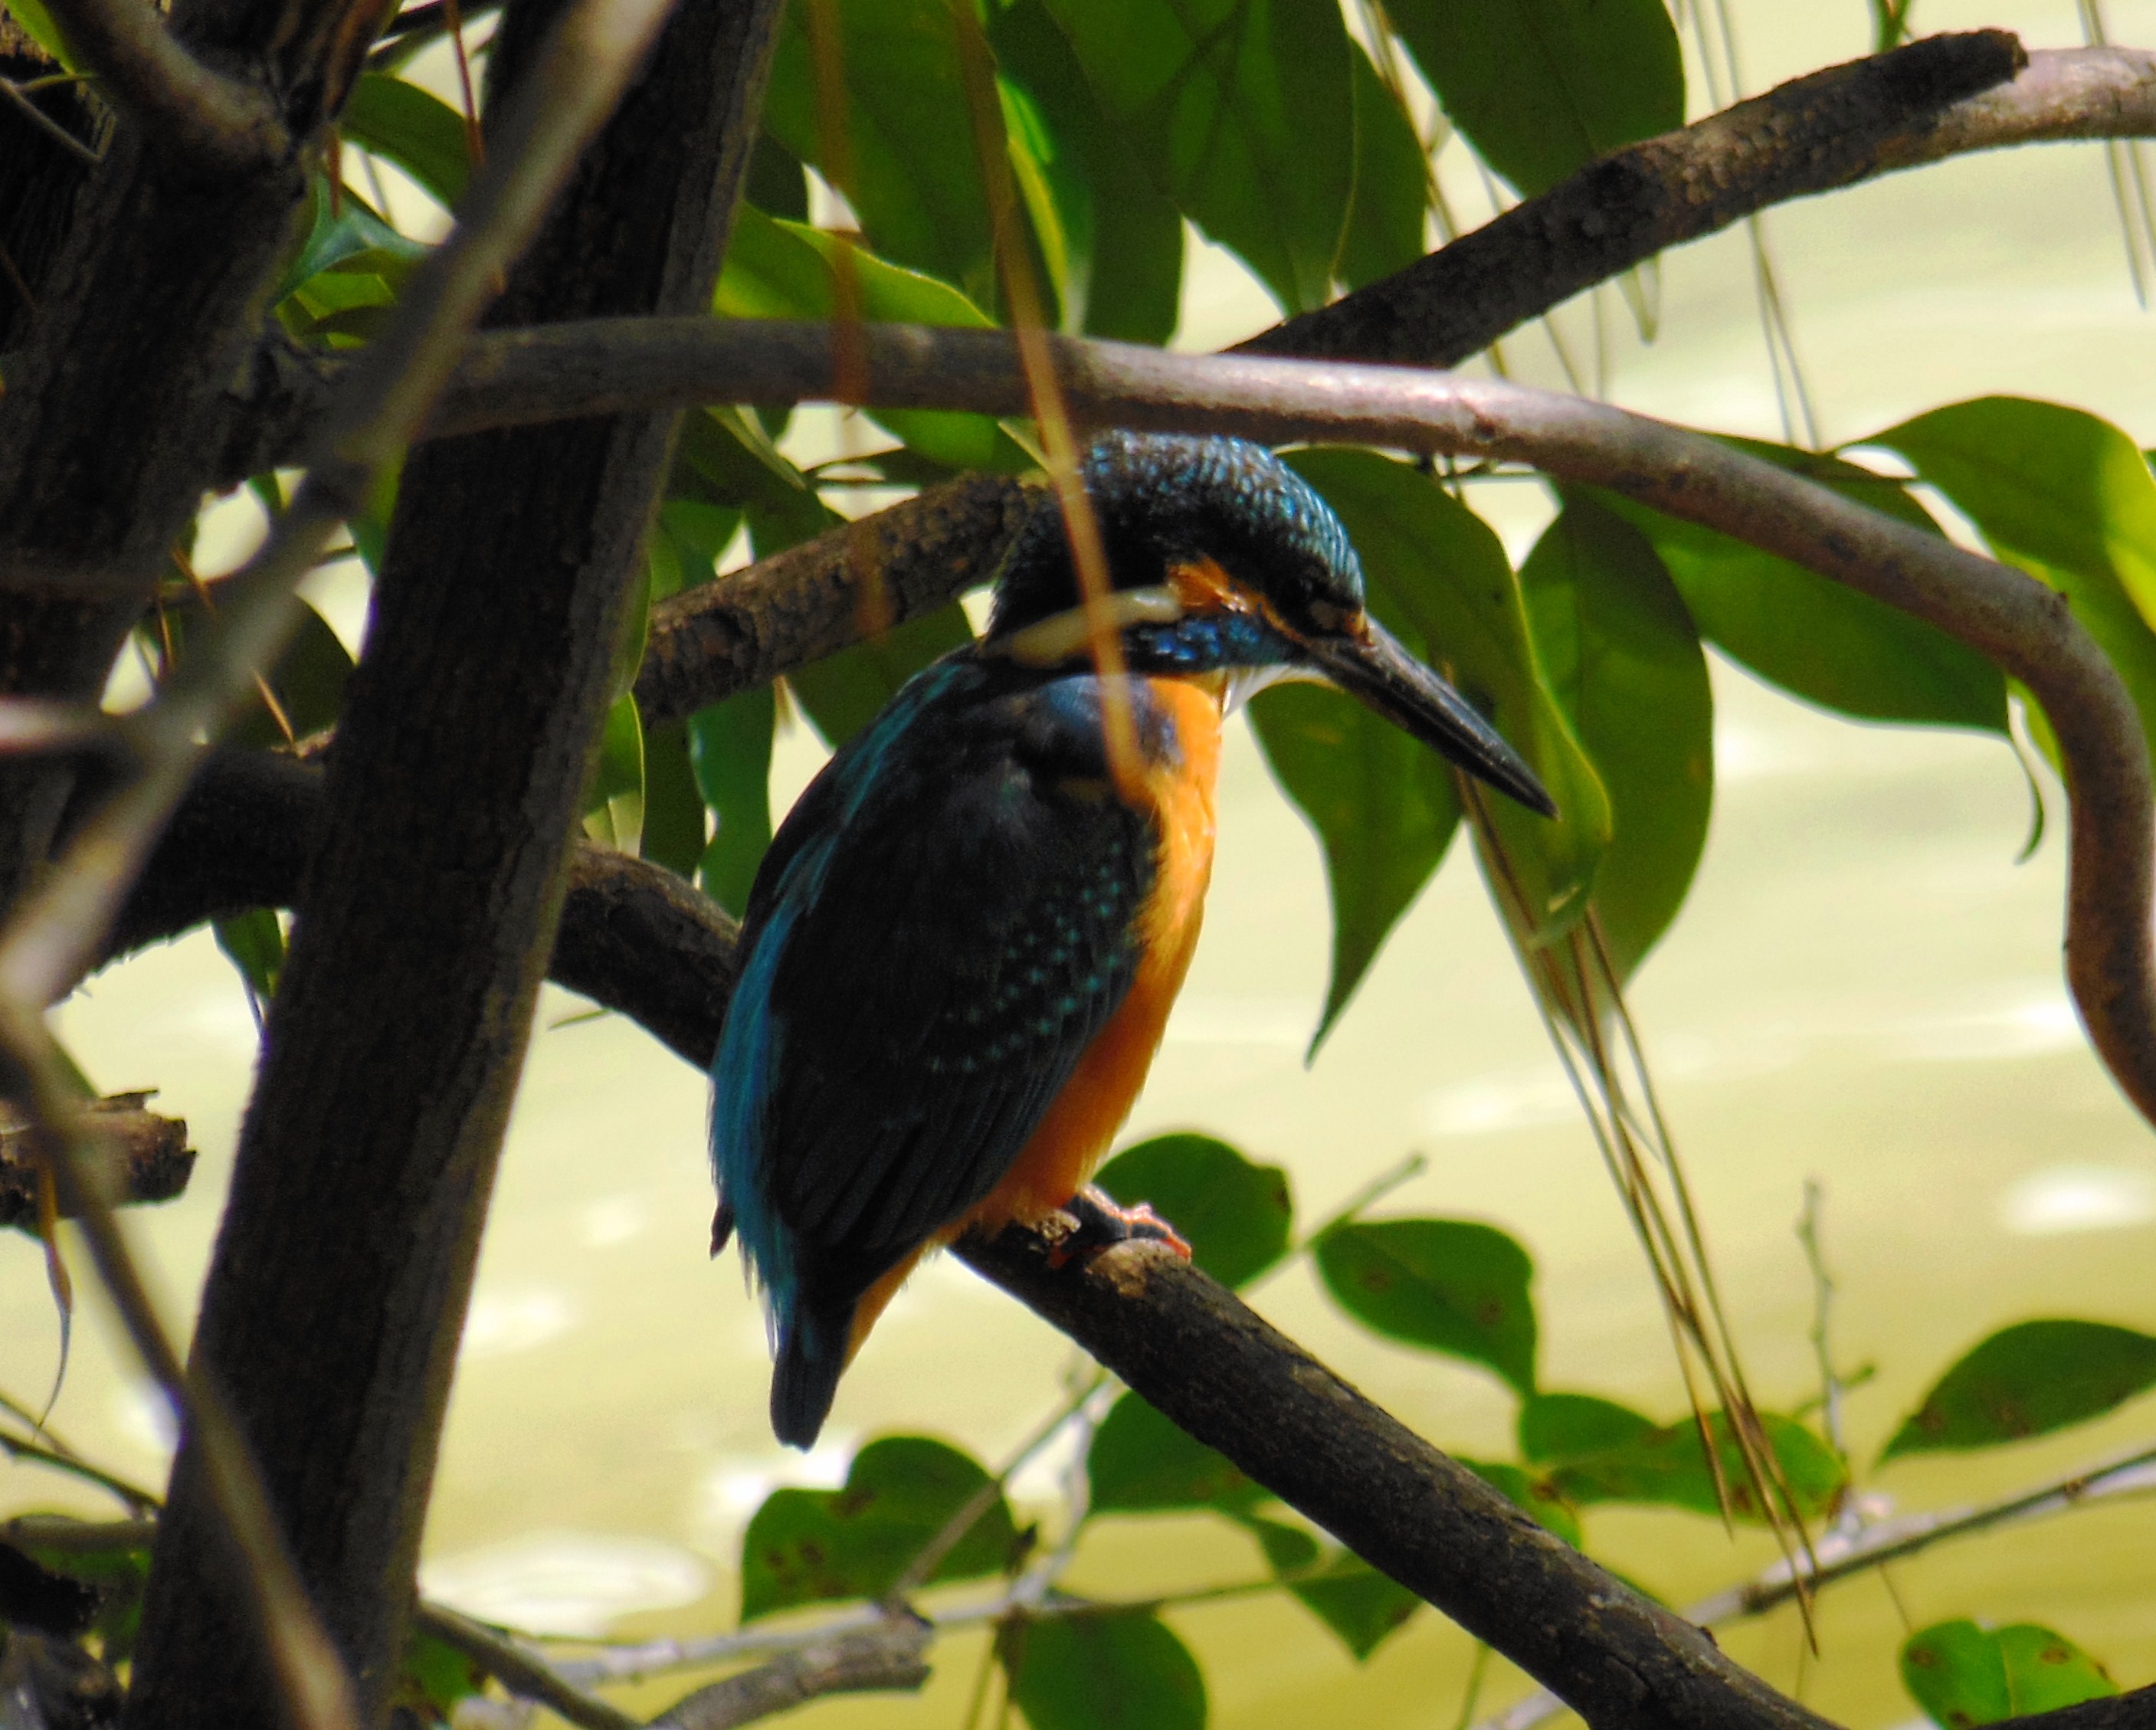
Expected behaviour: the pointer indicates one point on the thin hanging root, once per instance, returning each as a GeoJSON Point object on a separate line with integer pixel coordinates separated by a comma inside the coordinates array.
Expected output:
{"type": "Point", "coordinates": [1581, 1001]}
{"type": "Point", "coordinates": [202, 593]}
{"type": "Point", "coordinates": [56, 1276]}
{"type": "Point", "coordinates": [1052, 410]}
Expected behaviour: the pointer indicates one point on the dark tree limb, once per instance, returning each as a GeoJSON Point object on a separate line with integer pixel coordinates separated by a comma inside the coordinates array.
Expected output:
{"type": "Point", "coordinates": [1829, 129]}
{"type": "Point", "coordinates": [221, 124]}
{"type": "Point", "coordinates": [717, 639]}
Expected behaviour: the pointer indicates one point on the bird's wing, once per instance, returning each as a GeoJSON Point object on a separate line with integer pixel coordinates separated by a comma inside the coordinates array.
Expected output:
{"type": "Point", "coordinates": [932, 952]}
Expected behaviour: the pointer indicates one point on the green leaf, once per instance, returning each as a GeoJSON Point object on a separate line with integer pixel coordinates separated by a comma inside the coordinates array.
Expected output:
{"type": "Point", "coordinates": [1812, 636]}
{"type": "Point", "coordinates": [1363, 1607]}
{"type": "Point", "coordinates": [776, 185]}
{"type": "Point", "coordinates": [1565, 1426]}
{"type": "Point", "coordinates": [1530, 1495]}
{"type": "Point", "coordinates": [1448, 1285]}
{"type": "Point", "coordinates": [1391, 186]}
{"type": "Point", "coordinates": [2065, 496]}
{"type": "Point", "coordinates": [434, 1677]}
{"type": "Point", "coordinates": [782, 270]}
{"type": "Point", "coordinates": [907, 164]}
{"type": "Point", "coordinates": [613, 806]}
{"type": "Point", "coordinates": [730, 752]}
{"type": "Point", "coordinates": [724, 458]}
{"type": "Point", "coordinates": [1119, 1670]}
{"type": "Point", "coordinates": [1621, 654]}
{"type": "Point", "coordinates": [253, 942]}
{"type": "Point", "coordinates": [1243, 111]}
{"type": "Point", "coordinates": [1434, 569]}
{"type": "Point", "coordinates": [2029, 1379]}
{"type": "Point", "coordinates": [310, 680]}
{"type": "Point", "coordinates": [1289, 1549]}
{"type": "Point", "coordinates": [672, 804]}
{"type": "Point", "coordinates": [1235, 1215]}
{"type": "Point", "coordinates": [119, 1576]}
{"type": "Point", "coordinates": [1543, 87]}
{"type": "Point", "coordinates": [38, 26]}
{"type": "Point", "coordinates": [1122, 237]}
{"type": "Point", "coordinates": [1140, 1462]}
{"type": "Point", "coordinates": [1963, 1676]}
{"type": "Point", "coordinates": [809, 1545]}
{"type": "Point", "coordinates": [1666, 1467]}
{"type": "Point", "coordinates": [420, 133]}
{"type": "Point", "coordinates": [341, 235]}
{"type": "Point", "coordinates": [843, 693]}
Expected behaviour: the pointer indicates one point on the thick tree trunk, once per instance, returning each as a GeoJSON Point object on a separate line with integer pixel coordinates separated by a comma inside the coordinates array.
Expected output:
{"type": "Point", "coordinates": [341, 1273]}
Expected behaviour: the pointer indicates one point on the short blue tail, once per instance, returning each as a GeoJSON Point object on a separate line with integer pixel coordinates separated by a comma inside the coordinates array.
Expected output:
{"type": "Point", "coordinates": [812, 1357]}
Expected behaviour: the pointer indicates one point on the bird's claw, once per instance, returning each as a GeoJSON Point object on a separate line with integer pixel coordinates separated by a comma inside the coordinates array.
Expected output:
{"type": "Point", "coordinates": [1103, 1224]}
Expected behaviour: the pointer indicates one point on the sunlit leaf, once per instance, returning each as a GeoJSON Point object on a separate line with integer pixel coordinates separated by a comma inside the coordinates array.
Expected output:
{"type": "Point", "coordinates": [1141, 1462]}
{"type": "Point", "coordinates": [1385, 229]}
{"type": "Point", "coordinates": [1565, 1426]}
{"type": "Point", "coordinates": [2067, 498]}
{"type": "Point", "coordinates": [1117, 1669]}
{"type": "Point", "coordinates": [1122, 237]}
{"type": "Point", "coordinates": [907, 164]}
{"type": "Point", "coordinates": [1235, 1214]}
{"type": "Point", "coordinates": [1448, 1285]}
{"type": "Point", "coordinates": [842, 693]}
{"type": "Point", "coordinates": [1243, 111]}
{"type": "Point", "coordinates": [730, 752]}
{"type": "Point", "coordinates": [1812, 636]}
{"type": "Point", "coordinates": [1543, 87]}
{"type": "Point", "coordinates": [418, 131]}
{"type": "Point", "coordinates": [1621, 654]}
{"type": "Point", "coordinates": [38, 25]}
{"type": "Point", "coordinates": [2029, 1379]}
{"type": "Point", "coordinates": [253, 942]}
{"type": "Point", "coordinates": [1667, 1467]}
{"type": "Point", "coordinates": [1962, 1675]}
{"type": "Point", "coordinates": [1433, 567]}
{"type": "Point", "coordinates": [613, 806]}
{"type": "Point", "coordinates": [806, 1546]}
{"type": "Point", "coordinates": [782, 270]}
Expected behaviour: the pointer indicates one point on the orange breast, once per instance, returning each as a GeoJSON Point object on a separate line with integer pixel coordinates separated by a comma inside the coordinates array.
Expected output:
{"type": "Point", "coordinates": [1072, 1137]}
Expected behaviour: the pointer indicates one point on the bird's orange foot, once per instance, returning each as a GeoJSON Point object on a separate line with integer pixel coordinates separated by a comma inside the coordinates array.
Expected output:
{"type": "Point", "coordinates": [1103, 1224]}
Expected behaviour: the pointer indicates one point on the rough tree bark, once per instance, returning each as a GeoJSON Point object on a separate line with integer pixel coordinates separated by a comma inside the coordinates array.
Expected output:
{"type": "Point", "coordinates": [344, 1264]}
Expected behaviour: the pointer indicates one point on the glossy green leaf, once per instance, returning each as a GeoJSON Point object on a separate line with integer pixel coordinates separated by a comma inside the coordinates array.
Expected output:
{"type": "Point", "coordinates": [38, 26]}
{"type": "Point", "coordinates": [782, 270]}
{"type": "Point", "coordinates": [907, 164]}
{"type": "Point", "coordinates": [1235, 1214]}
{"type": "Point", "coordinates": [1122, 237]}
{"type": "Point", "coordinates": [253, 942]}
{"type": "Point", "coordinates": [1140, 1462]}
{"type": "Point", "coordinates": [1812, 636]}
{"type": "Point", "coordinates": [418, 131]}
{"type": "Point", "coordinates": [1962, 1675]}
{"type": "Point", "coordinates": [1622, 656]}
{"type": "Point", "coordinates": [2065, 496]}
{"type": "Point", "coordinates": [843, 693]}
{"type": "Point", "coordinates": [613, 806]}
{"type": "Point", "coordinates": [1448, 1285]}
{"type": "Point", "coordinates": [1384, 231]}
{"type": "Point", "coordinates": [674, 823]}
{"type": "Point", "coordinates": [1565, 1426]}
{"type": "Point", "coordinates": [1243, 112]}
{"type": "Point", "coordinates": [807, 1545]}
{"type": "Point", "coordinates": [1435, 568]}
{"type": "Point", "coordinates": [730, 752]}
{"type": "Point", "coordinates": [1543, 87]}
{"type": "Point", "coordinates": [1363, 1607]}
{"type": "Point", "coordinates": [1666, 1467]}
{"type": "Point", "coordinates": [2029, 1379]}
{"type": "Point", "coordinates": [776, 185]}
{"type": "Point", "coordinates": [1119, 1670]}
{"type": "Point", "coordinates": [1530, 1495]}
{"type": "Point", "coordinates": [341, 234]}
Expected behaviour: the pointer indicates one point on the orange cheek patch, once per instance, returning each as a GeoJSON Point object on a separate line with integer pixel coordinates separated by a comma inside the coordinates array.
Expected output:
{"type": "Point", "coordinates": [1203, 587]}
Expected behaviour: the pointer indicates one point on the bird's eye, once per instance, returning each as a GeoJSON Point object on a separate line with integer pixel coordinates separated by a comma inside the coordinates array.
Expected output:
{"type": "Point", "coordinates": [1331, 617]}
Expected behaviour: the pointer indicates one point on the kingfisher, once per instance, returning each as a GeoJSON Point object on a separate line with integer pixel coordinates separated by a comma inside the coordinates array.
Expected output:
{"type": "Point", "coordinates": [959, 951]}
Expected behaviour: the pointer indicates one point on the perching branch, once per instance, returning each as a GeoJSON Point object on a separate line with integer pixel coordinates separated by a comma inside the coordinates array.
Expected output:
{"type": "Point", "coordinates": [147, 1156]}
{"type": "Point", "coordinates": [525, 1676]}
{"type": "Point", "coordinates": [225, 125]}
{"type": "Point", "coordinates": [890, 1657]}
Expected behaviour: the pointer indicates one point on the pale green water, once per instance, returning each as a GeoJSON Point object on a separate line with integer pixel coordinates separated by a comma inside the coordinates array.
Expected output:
{"type": "Point", "coordinates": [1864, 988]}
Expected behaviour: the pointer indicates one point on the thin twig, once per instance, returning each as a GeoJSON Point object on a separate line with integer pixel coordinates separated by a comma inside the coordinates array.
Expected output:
{"type": "Point", "coordinates": [52, 129]}
{"type": "Point", "coordinates": [527, 1676]}
{"type": "Point", "coordinates": [60, 1459]}
{"type": "Point", "coordinates": [887, 1657]}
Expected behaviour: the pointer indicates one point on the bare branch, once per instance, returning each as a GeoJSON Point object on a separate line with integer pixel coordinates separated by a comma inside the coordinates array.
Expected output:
{"type": "Point", "coordinates": [523, 1674]}
{"type": "Point", "coordinates": [889, 1656]}
{"type": "Point", "coordinates": [797, 606]}
{"type": "Point", "coordinates": [224, 123]}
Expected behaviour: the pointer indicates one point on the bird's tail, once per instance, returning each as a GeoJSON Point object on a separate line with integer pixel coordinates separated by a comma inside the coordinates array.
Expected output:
{"type": "Point", "coordinates": [812, 1357]}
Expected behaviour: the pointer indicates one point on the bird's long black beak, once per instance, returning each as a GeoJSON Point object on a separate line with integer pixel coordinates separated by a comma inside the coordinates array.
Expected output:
{"type": "Point", "coordinates": [1379, 673]}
